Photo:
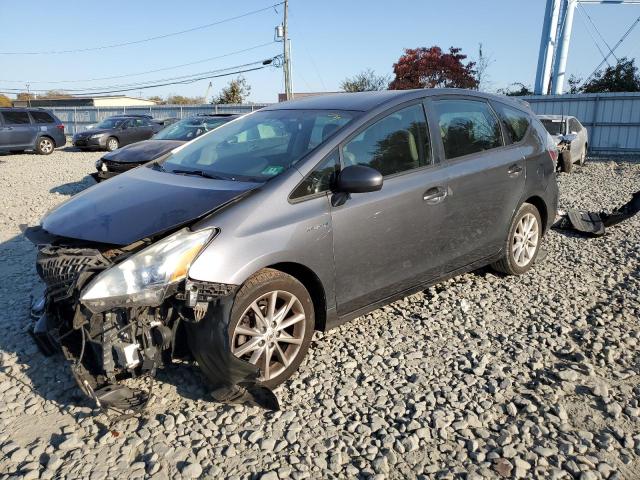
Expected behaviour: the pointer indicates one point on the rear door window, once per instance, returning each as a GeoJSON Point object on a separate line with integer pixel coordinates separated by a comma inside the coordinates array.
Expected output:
{"type": "Point", "coordinates": [515, 122]}
{"type": "Point", "coordinates": [42, 117]}
{"type": "Point", "coordinates": [396, 143]}
{"type": "Point", "coordinates": [466, 127]}
{"type": "Point", "coordinates": [16, 118]}
{"type": "Point", "coordinates": [574, 126]}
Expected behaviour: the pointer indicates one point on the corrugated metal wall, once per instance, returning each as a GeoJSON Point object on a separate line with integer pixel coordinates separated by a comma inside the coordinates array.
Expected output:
{"type": "Point", "coordinates": [612, 119]}
{"type": "Point", "coordinates": [76, 119]}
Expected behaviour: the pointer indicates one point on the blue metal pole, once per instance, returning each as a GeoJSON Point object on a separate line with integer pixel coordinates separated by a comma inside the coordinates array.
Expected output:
{"type": "Point", "coordinates": [563, 52]}
{"type": "Point", "coordinates": [544, 48]}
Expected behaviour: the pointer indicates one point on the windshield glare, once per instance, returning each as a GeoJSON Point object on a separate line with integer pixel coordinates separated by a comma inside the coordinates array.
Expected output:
{"type": "Point", "coordinates": [554, 127]}
{"type": "Point", "coordinates": [259, 146]}
{"type": "Point", "coordinates": [110, 123]}
{"type": "Point", "coordinates": [190, 128]}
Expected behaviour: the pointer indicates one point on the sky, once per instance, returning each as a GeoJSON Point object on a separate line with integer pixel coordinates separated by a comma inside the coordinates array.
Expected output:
{"type": "Point", "coordinates": [331, 40]}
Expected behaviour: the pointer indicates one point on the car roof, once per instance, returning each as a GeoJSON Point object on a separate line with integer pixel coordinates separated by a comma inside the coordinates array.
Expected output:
{"type": "Point", "coordinates": [554, 117]}
{"type": "Point", "coordinates": [219, 115]}
{"type": "Point", "coordinates": [365, 101]}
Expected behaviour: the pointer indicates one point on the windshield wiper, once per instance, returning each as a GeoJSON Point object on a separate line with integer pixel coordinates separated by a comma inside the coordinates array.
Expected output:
{"type": "Point", "coordinates": [158, 167]}
{"type": "Point", "coordinates": [199, 173]}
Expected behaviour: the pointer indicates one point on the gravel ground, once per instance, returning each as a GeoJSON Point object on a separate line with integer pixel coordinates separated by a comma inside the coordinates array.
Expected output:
{"type": "Point", "coordinates": [480, 377]}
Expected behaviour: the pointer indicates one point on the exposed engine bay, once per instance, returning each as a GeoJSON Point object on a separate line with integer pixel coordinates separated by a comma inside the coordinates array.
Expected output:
{"type": "Point", "coordinates": [108, 342]}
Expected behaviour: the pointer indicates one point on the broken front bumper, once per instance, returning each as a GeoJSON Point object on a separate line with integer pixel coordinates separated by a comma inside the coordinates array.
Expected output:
{"type": "Point", "coordinates": [133, 341]}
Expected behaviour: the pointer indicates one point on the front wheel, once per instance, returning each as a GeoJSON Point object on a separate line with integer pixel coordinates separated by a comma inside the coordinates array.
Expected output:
{"type": "Point", "coordinates": [45, 146]}
{"type": "Point", "coordinates": [583, 156]}
{"type": "Point", "coordinates": [523, 242]}
{"type": "Point", "coordinates": [272, 322]}
{"type": "Point", "coordinates": [112, 144]}
{"type": "Point", "coordinates": [566, 164]}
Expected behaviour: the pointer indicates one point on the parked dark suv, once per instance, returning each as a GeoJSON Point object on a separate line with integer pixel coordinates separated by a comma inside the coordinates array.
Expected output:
{"type": "Point", "coordinates": [236, 246]}
{"type": "Point", "coordinates": [117, 131]}
{"type": "Point", "coordinates": [30, 129]}
{"type": "Point", "coordinates": [170, 137]}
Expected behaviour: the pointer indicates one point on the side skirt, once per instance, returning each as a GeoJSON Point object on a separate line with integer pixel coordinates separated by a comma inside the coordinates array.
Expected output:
{"type": "Point", "coordinates": [334, 320]}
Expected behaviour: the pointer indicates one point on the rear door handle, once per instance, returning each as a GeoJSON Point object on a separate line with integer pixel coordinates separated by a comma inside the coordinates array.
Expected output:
{"type": "Point", "coordinates": [514, 170]}
{"type": "Point", "coordinates": [435, 195]}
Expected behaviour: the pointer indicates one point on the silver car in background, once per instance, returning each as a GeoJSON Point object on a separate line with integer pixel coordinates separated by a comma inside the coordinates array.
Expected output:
{"type": "Point", "coordinates": [235, 247]}
{"type": "Point", "coordinates": [571, 138]}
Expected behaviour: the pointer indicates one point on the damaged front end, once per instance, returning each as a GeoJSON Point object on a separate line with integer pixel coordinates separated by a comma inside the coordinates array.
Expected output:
{"type": "Point", "coordinates": [123, 312]}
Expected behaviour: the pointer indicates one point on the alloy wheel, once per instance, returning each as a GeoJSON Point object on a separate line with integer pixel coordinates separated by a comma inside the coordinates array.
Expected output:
{"type": "Point", "coordinates": [112, 144]}
{"type": "Point", "coordinates": [525, 240]}
{"type": "Point", "coordinates": [46, 146]}
{"type": "Point", "coordinates": [270, 333]}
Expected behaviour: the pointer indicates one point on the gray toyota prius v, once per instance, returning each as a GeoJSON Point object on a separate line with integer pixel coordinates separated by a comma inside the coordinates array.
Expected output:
{"type": "Point", "coordinates": [232, 249]}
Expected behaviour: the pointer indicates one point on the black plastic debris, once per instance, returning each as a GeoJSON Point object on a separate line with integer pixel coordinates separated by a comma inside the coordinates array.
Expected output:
{"type": "Point", "coordinates": [594, 224]}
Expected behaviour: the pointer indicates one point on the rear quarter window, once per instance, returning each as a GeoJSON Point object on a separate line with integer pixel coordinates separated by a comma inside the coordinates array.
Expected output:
{"type": "Point", "coordinates": [515, 122]}
{"type": "Point", "coordinates": [42, 117]}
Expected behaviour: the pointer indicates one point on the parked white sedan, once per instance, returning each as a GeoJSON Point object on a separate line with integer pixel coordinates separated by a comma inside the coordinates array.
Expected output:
{"type": "Point", "coordinates": [570, 136]}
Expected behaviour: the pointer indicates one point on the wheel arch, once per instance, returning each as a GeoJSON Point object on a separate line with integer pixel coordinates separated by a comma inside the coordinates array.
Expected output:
{"type": "Point", "coordinates": [45, 135]}
{"type": "Point", "coordinates": [540, 204]}
{"type": "Point", "coordinates": [314, 286]}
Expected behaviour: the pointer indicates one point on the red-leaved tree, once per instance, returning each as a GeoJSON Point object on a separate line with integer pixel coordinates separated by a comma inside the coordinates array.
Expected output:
{"type": "Point", "coordinates": [432, 68]}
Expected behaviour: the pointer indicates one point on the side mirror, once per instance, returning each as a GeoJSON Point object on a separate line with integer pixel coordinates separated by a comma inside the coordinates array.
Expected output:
{"type": "Point", "coordinates": [359, 179]}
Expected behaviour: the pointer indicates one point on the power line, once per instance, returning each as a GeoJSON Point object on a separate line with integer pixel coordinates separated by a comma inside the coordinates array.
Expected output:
{"type": "Point", "coordinates": [155, 83]}
{"type": "Point", "coordinates": [595, 42]}
{"type": "Point", "coordinates": [106, 92]}
{"type": "Point", "coordinates": [615, 47]}
{"type": "Point", "coordinates": [141, 73]}
{"type": "Point", "coordinates": [149, 39]}
{"type": "Point", "coordinates": [597, 31]}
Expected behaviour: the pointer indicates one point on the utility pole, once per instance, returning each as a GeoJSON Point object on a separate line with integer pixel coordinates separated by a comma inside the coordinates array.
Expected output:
{"type": "Point", "coordinates": [287, 62]}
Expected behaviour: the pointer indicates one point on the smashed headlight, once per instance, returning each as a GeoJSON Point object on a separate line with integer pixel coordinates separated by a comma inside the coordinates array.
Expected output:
{"type": "Point", "coordinates": [143, 278]}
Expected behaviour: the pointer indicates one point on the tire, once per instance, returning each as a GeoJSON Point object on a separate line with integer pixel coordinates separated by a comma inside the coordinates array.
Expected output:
{"type": "Point", "coordinates": [112, 144]}
{"type": "Point", "coordinates": [45, 146]}
{"type": "Point", "coordinates": [260, 289]}
{"type": "Point", "coordinates": [511, 264]}
{"type": "Point", "coordinates": [583, 157]}
{"type": "Point", "coordinates": [566, 165]}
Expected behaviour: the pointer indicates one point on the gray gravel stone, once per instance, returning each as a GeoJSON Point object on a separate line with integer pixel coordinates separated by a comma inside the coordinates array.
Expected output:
{"type": "Point", "coordinates": [484, 375]}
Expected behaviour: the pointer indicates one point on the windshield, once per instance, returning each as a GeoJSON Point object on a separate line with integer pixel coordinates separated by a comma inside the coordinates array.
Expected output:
{"type": "Point", "coordinates": [258, 146]}
{"type": "Point", "coordinates": [110, 123]}
{"type": "Point", "coordinates": [190, 128]}
{"type": "Point", "coordinates": [554, 127]}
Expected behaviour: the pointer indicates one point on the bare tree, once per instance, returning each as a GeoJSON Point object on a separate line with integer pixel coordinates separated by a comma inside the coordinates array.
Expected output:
{"type": "Point", "coordinates": [366, 81]}
{"type": "Point", "coordinates": [482, 65]}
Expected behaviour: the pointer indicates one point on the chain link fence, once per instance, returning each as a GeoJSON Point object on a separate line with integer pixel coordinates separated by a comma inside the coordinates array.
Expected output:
{"type": "Point", "coordinates": [77, 119]}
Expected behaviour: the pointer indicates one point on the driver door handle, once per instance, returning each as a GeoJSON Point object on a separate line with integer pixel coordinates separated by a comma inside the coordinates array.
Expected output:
{"type": "Point", "coordinates": [435, 195]}
{"type": "Point", "coordinates": [514, 170]}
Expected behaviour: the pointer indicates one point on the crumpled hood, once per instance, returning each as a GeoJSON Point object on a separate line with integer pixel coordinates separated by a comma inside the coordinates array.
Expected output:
{"type": "Point", "coordinates": [142, 152]}
{"type": "Point", "coordinates": [138, 204]}
{"type": "Point", "coordinates": [558, 139]}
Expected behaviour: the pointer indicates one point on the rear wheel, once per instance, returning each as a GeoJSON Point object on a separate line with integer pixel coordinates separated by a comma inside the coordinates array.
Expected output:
{"type": "Point", "coordinates": [566, 165]}
{"type": "Point", "coordinates": [523, 242]}
{"type": "Point", "coordinates": [272, 322]}
{"type": "Point", "coordinates": [112, 144]}
{"type": "Point", "coordinates": [45, 146]}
